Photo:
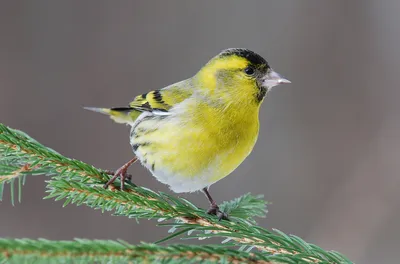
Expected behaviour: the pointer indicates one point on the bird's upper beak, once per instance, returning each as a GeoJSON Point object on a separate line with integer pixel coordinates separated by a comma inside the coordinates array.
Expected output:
{"type": "Point", "coordinates": [272, 78]}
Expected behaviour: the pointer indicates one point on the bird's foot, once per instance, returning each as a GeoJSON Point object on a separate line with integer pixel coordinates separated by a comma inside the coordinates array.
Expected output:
{"type": "Point", "coordinates": [124, 176]}
{"type": "Point", "coordinates": [214, 210]}
{"type": "Point", "coordinates": [128, 177]}
{"type": "Point", "coordinates": [122, 173]}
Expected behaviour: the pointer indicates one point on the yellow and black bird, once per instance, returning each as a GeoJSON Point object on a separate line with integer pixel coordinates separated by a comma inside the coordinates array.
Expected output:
{"type": "Point", "coordinates": [195, 132]}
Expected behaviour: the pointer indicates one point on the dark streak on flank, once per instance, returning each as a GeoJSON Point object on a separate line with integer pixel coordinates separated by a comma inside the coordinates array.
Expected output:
{"type": "Point", "coordinates": [143, 131]}
{"type": "Point", "coordinates": [137, 145]}
{"type": "Point", "coordinates": [140, 130]}
{"type": "Point", "coordinates": [153, 166]}
{"type": "Point", "coordinates": [133, 134]}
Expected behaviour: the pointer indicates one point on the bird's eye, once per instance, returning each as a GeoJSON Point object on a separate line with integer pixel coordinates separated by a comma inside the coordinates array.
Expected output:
{"type": "Point", "coordinates": [249, 70]}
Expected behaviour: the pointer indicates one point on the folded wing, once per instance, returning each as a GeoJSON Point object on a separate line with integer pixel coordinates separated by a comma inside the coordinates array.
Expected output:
{"type": "Point", "coordinates": [158, 102]}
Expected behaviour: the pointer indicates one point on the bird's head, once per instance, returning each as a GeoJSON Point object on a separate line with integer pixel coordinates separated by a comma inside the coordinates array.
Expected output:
{"type": "Point", "coordinates": [238, 74]}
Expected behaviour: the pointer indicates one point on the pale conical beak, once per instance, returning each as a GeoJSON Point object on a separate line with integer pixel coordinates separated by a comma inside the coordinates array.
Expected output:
{"type": "Point", "coordinates": [272, 79]}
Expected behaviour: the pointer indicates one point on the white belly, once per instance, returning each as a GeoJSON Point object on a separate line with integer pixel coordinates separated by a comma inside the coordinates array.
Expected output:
{"type": "Point", "coordinates": [181, 183]}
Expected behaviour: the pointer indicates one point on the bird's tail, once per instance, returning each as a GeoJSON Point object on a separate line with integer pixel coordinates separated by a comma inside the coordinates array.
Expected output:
{"type": "Point", "coordinates": [121, 115]}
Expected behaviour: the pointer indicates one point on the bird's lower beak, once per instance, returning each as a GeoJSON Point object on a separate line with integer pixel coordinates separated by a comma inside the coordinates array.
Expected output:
{"type": "Point", "coordinates": [273, 78]}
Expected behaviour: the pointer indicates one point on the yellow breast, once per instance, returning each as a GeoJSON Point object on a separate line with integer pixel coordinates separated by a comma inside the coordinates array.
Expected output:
{"type": "Point", "coordinates": [197, 144]}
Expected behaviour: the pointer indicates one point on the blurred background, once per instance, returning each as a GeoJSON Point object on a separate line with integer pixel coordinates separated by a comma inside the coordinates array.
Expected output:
{"type": "Point", "coordinates": [328, 151]}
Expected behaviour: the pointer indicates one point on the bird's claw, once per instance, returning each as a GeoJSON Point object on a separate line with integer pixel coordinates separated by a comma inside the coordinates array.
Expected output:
{"type": "Point", "coordinates": [214, 210]}
{"type": "Point", "coordinates": [112, 173]}
{"type": "Point", "coordinates": [119, 173]}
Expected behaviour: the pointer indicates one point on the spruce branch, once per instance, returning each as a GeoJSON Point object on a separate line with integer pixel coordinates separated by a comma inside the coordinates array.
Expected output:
{"type": "Point", "coordinates": [107, 251]}
{"type": "Point", "coordinates": [81, 183]}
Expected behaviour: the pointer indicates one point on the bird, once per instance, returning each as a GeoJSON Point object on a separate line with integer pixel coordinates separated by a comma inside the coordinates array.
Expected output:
{"type": "Point", "coordinates": [195, 132]}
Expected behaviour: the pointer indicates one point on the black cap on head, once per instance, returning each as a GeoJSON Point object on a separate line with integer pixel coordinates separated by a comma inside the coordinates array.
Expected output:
{"type": "Point", "coordinates": [251, 56]}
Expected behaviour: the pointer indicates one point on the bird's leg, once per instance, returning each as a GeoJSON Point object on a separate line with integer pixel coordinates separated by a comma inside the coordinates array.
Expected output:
{"type": "Point", "coordinates": [214, 209]}
{"type": "Point", "coordinates": [121, 172]}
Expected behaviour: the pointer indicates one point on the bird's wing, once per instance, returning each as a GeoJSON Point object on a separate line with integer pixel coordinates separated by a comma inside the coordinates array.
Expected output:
{"type": "Point", "coordinates": [158, 102]}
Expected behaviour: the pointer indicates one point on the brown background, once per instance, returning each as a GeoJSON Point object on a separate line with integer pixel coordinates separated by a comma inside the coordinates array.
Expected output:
{"type": "Point", "coordinates": [328, 151]}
